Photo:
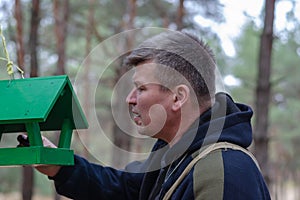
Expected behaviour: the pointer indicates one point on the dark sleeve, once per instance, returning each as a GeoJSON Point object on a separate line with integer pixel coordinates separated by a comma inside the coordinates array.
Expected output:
{"type": "Point", "coordinates": [85, 180]}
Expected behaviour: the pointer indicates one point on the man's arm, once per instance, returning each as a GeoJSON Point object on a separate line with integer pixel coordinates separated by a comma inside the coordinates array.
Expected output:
{"type": "Point", "coordinates": [86, 180]}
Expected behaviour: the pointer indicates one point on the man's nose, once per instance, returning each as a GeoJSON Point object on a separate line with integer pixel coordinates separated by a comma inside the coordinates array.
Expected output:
{"type": "Point", "coordinates": [131, 98]}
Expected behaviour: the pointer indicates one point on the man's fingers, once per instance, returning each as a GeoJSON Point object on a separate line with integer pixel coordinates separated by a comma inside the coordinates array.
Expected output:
{"type": "Point", "coordinates": [24, 141]}
{"type": "Point", "coordinates": [48, 143]}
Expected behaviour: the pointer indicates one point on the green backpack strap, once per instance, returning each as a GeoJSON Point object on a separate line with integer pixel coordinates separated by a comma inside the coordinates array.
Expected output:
{"type": "Point", "coordinates": [202, 154]}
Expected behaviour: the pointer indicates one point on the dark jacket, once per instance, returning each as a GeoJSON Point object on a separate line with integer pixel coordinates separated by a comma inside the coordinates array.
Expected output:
{"type": "Point", "coordinates": [223, 174]}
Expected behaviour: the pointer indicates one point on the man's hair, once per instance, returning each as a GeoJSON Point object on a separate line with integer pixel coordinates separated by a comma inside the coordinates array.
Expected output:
{"type": "Point", "coordinates": [193, 60]}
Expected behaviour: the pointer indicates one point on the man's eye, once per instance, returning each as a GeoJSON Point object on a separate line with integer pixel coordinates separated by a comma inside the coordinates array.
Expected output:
{"type": "Point", "coordinates": [141, 88]}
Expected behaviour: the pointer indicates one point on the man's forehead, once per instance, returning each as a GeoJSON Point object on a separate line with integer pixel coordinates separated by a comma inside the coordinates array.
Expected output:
{"type": "Point", "coordinates": [144, 73]}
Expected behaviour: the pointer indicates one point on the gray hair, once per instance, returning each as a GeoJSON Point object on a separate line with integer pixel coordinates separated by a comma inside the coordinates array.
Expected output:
{"type": "Point", "coordinates": [188, 55]}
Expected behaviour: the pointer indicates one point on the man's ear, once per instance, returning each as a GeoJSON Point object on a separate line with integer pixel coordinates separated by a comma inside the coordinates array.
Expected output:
{"type": "Point", "coordinates": [180, 96]}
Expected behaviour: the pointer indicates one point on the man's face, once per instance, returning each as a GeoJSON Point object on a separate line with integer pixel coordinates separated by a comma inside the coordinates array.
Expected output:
{"type": "Point", "coordinates": [150, 106]}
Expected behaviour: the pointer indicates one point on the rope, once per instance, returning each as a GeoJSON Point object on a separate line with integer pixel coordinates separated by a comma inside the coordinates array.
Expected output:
{"type": "Point", "coordinates": [10, 64]}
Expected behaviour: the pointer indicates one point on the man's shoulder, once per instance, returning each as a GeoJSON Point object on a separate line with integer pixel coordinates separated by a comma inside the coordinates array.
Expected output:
{"type": "Point", "coordinates": [225, 172]}
{"type": "Point", "coordinates": [221, 160]}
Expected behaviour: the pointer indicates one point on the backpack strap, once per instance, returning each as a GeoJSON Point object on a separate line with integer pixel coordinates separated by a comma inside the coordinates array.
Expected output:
{"type": "Point", "coordinates": [202, 154]}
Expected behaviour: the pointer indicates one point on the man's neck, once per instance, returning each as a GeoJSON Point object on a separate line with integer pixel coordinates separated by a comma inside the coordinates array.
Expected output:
{"type": "Point", "coordinates": [184, 126]}
{"type": "Point", "coordinates": [186, 122]}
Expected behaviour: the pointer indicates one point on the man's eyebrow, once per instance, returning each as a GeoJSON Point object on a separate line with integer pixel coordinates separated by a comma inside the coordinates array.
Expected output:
{"type": "Point", "coordinates": [140, 83]}
{"type": "Point", "coordinates": [136, 83]}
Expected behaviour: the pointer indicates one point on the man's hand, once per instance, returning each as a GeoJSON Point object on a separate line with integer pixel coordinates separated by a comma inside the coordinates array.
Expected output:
{"type": "Point", "coordinates": [49, 170]}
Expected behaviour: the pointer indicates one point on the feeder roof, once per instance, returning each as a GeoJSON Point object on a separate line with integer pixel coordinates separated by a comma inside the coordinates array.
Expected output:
{"type": "Point", "coordinates": [46, 100]}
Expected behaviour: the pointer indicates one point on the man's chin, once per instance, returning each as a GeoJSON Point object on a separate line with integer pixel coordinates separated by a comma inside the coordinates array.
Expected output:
{"type": "Point", "coordinates": [146, 131]}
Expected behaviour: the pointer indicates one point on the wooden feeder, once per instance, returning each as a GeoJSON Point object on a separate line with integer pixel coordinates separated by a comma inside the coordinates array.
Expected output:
{"type": "Point", "coordinates": [39, 104]}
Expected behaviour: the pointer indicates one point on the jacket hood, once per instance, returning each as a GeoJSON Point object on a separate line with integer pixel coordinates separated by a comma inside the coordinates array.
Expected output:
{"type": "Point", "coordinates": [226, 121]}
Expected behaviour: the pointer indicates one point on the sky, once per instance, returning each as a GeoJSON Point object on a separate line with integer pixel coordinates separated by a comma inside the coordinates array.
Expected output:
{"type": "Point", "coordinates": [235, 18]}
{"type": "Point", "coordinates": [234, 12]}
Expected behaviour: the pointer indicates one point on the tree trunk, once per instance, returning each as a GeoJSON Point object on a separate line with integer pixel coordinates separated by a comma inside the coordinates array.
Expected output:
{"type": "Point", "coordinates": [180, 14]}
{"type": "Point", "coordinates": [19, 40]}
{"type": "Point", "coordinates": [161, 11]}
{"type": "Point", "coordinates": [27, 183]}
{"type": "Point", "coordinates": [87, 105]}
{"type": "Point", "coordinates": [263, 91]}
{"type": "Point", "coordinates": [121, 139]}
{"type": "Point", "coordinates": [33, 39]}
{"type": "Point", "coordinates": [61, 15]}
{"type": "Point", "coordinates": [28, 176]}
{"type": "Point", "coordinates": [130, 24]}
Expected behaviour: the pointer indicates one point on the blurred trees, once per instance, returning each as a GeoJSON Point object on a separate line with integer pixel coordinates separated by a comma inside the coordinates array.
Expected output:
{"type": "Point", "coordinates": [68, 33]}
{"type": "Point", "coordinates": [28, 175]}
{"type": "Point", "coordinates": [34, 38]}
{"type": "Point", "coordinates": [19, 35]}
{"type": "Point", "coordinates": [61, 15]}
{"type": "Point", "coordinates": [59, 35]}
{"type": "Point", "coordinates": [284, 108]}
{"type": "Point", "coordinates": [263, 91]}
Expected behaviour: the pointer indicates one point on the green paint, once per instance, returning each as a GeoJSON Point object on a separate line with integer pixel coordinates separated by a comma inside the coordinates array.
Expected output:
{"type": "Point", "coordinates": [39, 104]}
{"type": "Point", "coordinates": [34, 134]}
{"type": "Point", "coordinates": [35, 156]}
{"type": "Point", "coordinates": [65, 135]}
{"type": "Point", "coordinates": [47, 100]}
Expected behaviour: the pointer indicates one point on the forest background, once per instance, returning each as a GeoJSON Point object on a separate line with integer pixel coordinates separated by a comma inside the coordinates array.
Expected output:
{"type": "Point", "coordinates": [258, 58]}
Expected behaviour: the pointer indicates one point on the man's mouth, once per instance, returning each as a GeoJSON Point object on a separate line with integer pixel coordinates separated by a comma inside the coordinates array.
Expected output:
{"type": "Point", "coordinates": [137, 118]}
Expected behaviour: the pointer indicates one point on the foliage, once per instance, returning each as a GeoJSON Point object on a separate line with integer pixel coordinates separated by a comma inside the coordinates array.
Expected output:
{"type": "Point", "coordinates": [111, 17]}
{"type": "Point", "coordinates": [244, 65]}
{"type": "Point", "coordinates": [284, 108]}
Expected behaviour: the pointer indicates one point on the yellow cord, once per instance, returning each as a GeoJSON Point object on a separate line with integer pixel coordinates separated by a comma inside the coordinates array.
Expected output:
{"type": "Point", "coordinates": [10, 64]}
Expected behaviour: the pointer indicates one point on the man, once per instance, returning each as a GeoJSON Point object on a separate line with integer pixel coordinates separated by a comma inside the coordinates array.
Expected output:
{"type": "Point", "coordinates": [174, 100]}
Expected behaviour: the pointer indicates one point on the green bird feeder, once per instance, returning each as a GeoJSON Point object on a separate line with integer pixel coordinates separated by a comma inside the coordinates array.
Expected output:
{"type": "Point", "coordinates": [39, 104]}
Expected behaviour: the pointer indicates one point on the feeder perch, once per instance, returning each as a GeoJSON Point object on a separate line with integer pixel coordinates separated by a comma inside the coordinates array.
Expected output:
{"type": "Point", "coordinates": [39, 104]}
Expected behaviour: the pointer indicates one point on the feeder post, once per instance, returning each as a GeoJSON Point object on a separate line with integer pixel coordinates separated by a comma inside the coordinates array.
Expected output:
{"type": "Point", "coordinates": [66, 134]}
{"type": "Point", "coordinates": [34, 134]}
